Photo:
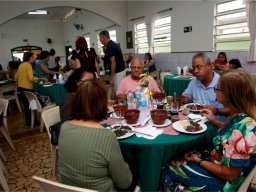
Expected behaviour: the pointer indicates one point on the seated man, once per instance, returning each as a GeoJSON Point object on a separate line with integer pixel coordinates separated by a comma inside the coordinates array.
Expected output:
{"type": "Point", "coordinates": [202, 88]}
{"type": "Point", "coordinates": [132, 81]}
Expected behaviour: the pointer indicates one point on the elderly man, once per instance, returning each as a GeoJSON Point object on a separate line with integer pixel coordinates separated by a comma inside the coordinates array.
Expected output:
{"type": "Point", "coordinates": [132, 81]}
{"type": "Point", "coordinates": [202, 89]}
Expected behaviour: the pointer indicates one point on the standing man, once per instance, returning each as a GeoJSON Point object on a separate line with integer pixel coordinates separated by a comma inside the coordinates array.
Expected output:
{"type": "Point", "coordinates": [115, 55]}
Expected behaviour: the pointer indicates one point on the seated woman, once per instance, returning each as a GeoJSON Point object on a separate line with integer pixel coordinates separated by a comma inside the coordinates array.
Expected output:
{"type": "Point", "coordinates": [74, 81]}
{"type": "Point", "coordinates": [221, 62]}
{"type": "Point", "coordinates": [90, 155]}
{"type": "Point", "coordinates": [235, 64]}
{"type": "Point", "coordinates": [41, 68]}
{"type": "Point", "coordinates": [149, 62]}
{"type": "Point", "coordinates": [234, 147]}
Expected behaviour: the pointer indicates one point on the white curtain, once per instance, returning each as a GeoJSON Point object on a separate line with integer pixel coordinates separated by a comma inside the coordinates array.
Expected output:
{"type": "Point", "coordinates": [251, 20]}
{"type": "Point", "coordinates": [150, 21]}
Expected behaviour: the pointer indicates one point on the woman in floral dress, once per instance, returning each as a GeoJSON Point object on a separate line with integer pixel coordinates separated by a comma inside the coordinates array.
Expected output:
{"type": "Point", "coordinates": [224, 167]}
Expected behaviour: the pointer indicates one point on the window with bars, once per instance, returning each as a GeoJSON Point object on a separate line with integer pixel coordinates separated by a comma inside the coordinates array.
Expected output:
{"type": "Point", "coordinates": [162, 35]}
{"type": "Point", "coordinates": [231, 30]}
{"type": "Point", "coordinates": [141, 39]}
{"type": "Point", "coordinates": [112, 35]}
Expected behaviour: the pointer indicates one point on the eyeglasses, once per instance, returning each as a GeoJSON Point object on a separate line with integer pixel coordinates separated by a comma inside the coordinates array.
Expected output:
{"type": "Point", "coordinates": [136, 67]}
{"type": "Point", "coordinates": [217, 89]}
{"type": "Point", "coordinates": [198, 67]}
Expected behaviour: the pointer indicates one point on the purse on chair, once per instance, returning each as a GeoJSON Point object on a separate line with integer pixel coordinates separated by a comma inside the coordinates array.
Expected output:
{"type": "Point", "coordinates": [55, 132]}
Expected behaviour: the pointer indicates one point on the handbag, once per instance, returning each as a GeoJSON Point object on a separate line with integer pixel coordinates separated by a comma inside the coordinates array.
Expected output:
{"type": "Point", "coordinates": [55, 132]}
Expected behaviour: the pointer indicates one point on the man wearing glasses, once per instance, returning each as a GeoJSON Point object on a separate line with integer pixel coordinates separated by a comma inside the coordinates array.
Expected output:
{"type": "Point", "coordinates": [134, 80]}
{"type": "Point", "coordinates": [202, 89]}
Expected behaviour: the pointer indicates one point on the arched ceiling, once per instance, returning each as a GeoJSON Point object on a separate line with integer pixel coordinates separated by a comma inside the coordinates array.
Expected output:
{"type": "Point", "coordinates": [112, 10]}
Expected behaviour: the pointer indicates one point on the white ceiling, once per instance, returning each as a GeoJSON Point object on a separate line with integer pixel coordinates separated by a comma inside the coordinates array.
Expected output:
{"type": "Point", "coordinates": [54, 13]}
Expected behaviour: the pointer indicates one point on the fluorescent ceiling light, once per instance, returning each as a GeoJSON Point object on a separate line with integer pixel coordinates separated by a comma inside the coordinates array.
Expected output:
{"type": "Point", "coordinates": [38, 12]}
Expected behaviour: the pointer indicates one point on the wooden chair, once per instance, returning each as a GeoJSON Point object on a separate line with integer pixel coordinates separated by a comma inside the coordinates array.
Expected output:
{"type": "Point", "coordinates": [50, 186]}
{"type": "Point", "coordinates": [247, 181]}
{"type": "Point", "coordinates": [34, 106]}
{"type": "Point", "coordinates": [50, 117]}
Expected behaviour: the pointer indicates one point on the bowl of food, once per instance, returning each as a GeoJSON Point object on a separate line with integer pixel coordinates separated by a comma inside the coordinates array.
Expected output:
{"type": "Point", "coordinates": [120, 109]}
{"type": "Point", "coordinates": [158, 116]}
{"type": "Point", "coordinates": [131, 116]}
{"type": "Point", "coordinates": [159, 96]}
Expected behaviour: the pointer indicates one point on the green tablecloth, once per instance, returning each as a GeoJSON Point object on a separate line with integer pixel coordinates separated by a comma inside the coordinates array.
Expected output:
{"type": "Point", "coordinates": [128, 72]}
{"type": "Point", "coordinates": [148, 156]}
{"type": "Point", "coordinates": [55, 91]}
{"type": "Point", "coordinates": [178, 85]}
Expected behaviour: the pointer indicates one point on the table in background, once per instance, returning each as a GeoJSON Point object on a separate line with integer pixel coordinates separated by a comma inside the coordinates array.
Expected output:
{"type": "Point", "coordinates": [55, 91]}
{"type": "Point", "coordinates": [7, 85]}
{"type": "Point", "coordinates": [148, 156]}
{"type": "Point", "coordinates": [173, 84]}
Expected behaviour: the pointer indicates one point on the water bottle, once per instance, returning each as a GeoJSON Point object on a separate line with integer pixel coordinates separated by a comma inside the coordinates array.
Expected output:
{"type": "Point", "coordinates": [143, 108]}
{"type": "Point", "coordinates": [60, 78]}
{"type": "Point", "coordinates": [138, 93]}
{"type": "Point", "coordinates": [130, 98]}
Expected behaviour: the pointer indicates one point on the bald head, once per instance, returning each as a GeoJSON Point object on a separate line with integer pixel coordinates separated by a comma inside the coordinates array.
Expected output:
{"type": "Point", "coordinates": [137, 67]}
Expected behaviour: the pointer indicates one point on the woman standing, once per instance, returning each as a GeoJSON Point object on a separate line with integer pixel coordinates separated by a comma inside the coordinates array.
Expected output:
{"type": "Point", "coordinates": [24, 79]}
{"type": "Point", "coordinates": [224, 167]}
{"type": "Point", "coordinates": [90, 155]}
{"type": "Point", "coordinates": [85, 57]}
{"type": "Point", "coordinates": [149, 62]}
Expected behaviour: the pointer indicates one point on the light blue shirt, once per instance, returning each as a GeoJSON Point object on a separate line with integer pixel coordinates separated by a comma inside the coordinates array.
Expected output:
{"type": "Point", "coordinates": [198, 93]}
{"type": "Point", "coordinates": [38, 72]}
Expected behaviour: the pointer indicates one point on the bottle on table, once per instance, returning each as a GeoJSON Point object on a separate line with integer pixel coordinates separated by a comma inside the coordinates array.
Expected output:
{"type": "Point", "coordinates": [130, 100]}
{"type": "Point", "coordinates": [143, 108]}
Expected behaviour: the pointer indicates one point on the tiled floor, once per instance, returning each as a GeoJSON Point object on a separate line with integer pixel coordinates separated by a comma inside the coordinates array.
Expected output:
{"type": "Point", "coordinates": [32, 155]}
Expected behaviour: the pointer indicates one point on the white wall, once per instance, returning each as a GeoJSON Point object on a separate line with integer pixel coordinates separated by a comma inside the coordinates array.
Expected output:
{"type": "Point", "coordinates": [199, 15]}
{"type": "Point", "coordinates": [36, 31]}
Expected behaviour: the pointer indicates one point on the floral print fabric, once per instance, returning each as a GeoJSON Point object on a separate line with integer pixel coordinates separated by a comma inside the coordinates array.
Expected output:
{"type": "Point", "coordinates": [234, 146]}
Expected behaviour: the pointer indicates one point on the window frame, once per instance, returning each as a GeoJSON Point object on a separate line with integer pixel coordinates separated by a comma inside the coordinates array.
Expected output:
{"type": "Point", "coordinates": [219, 38]}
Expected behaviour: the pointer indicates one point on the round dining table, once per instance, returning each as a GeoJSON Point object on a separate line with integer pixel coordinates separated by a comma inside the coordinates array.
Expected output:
{"type": "Point", "coordinates": [54, 91]}
{"type": "Point", "coordinates": [148, 156]}
{"type": "Point", "coordinates": [174, 83]}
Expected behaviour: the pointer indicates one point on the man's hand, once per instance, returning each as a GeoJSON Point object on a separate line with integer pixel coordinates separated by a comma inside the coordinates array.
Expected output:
{"type": "Point", "coordinates": [184, 98]}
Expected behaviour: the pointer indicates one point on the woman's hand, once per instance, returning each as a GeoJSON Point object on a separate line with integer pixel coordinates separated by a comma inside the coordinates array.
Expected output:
{"type": "Point", "coordinates": [192, 156]}
{"type": "Point", "coordinates": [208, 114]}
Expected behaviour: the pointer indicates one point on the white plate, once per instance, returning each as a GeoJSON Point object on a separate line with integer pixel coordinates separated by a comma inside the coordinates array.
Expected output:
{"type": "Point", "coordinates": [126, 135]}
{"type": "Point", "coordinates": [166, 123]}
{"type": "Point", "coordinates": [192, 110]}
{"type": "Point", "coordinates": [179, 126]}
{"type": "Point", "coordinates": [174, 110]}
{"type": "Point", "coordinates": [113, 115]}
{"type": "Point", "coordinates": [125, 123]}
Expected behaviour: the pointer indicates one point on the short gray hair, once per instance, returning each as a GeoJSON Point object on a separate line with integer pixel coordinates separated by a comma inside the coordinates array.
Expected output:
{"type": "Point", "coordinates": [202, 55]}
{"type": "Point", "coordinates": [137, 59]}
{"type": "Point", "coordinates": [104, 33]}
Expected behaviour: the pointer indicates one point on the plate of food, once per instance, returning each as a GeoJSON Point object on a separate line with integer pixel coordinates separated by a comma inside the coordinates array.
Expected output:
{"type": "Point", "coordinates": [122, 131]}
{"type": "Point", "coordinates": [166, 123]}
{"type": "Point", "coordinates": [189, 127]}
{"type": "Point", "coordinates": [193, 107]}
{"type": "Point", "coordinates": [126, 124]}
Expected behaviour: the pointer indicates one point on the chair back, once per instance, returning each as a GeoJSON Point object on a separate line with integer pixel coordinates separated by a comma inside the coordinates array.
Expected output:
{"type": "Point", "coordinates": [8, 87]}
{"type": "Point", "coordinates": [4, 106]}
{"type": "Point", "coordinates": [49, 186]}
{"type": "Point", "coordinates": [50, 117]}
{"type": "Point", "coordinates": [33, 100]}
{"type": "Point", "coordinates": [245, 185]}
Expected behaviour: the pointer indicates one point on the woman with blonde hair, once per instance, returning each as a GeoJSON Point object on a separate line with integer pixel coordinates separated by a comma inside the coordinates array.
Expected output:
{"type": "Point", "coordinates": [90, 156]}
{"type": "Point", "coordinates": [224, 167]}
